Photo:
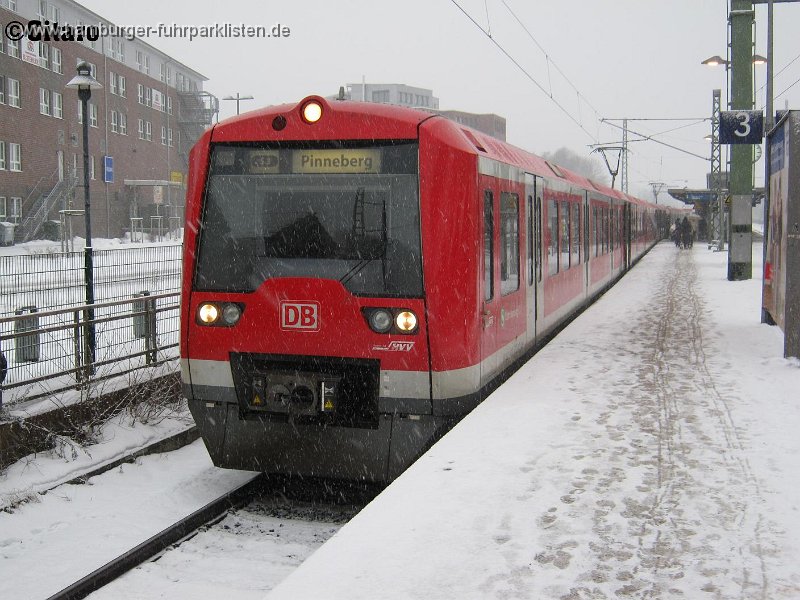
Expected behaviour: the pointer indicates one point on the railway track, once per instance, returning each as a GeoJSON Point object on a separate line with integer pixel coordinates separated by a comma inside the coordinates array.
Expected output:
{"type": "Point", "coordinates": [210, 513]}
{"type": "Point", "coordinates": [302, 513]}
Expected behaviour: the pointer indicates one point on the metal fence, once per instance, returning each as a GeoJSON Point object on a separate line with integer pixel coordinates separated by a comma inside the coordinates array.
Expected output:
{"type": "Point", "coordinates": [44, 321]}
{"type": "Point", "coordinates": [56, 279]}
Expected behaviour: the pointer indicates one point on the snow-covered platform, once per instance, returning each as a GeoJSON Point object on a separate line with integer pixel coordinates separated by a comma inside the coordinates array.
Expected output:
{"type": "Point", "coordinates": [650, 450]}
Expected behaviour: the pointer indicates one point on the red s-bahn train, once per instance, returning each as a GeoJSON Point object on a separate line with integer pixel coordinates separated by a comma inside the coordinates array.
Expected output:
{"type": "Point", "coordinates": [357, 276]}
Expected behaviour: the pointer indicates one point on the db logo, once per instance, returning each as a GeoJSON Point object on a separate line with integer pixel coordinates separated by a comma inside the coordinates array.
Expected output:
{"type": "Point", "coordinates": [300, 315]}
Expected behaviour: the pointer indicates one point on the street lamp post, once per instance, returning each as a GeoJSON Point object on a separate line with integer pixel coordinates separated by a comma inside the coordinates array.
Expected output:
{"type": "Point", "coordinates": [85, 83]}
{"type": "Point", "coordinates": [238, 99]}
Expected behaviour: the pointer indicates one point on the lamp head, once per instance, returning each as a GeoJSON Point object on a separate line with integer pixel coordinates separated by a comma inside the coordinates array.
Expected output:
{"type": "Point", "coordinates": [84, 80]}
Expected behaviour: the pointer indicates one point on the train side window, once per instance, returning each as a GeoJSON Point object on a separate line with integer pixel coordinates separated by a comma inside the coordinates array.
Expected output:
{"type": "Point", "coordinates": [552, 249]}
{"type": "Point", "coordinates": [529, 234]}
{"type": "Point", "coordinates": [575, 236]}
{"type": "Point", "coordinates": [595, 237]}
{"type": "Point", "coordinates": [509, 243]}
{"type": "Point", "coordinates": [565, 231]}
{"type": "Point", "coordinates": [488, 246]}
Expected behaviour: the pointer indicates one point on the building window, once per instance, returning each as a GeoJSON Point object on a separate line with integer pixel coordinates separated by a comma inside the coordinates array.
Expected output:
{"type": "Point", "coordinates": [91, 167]}
{"type": "Point", "coordinates": [2, 89]}
{"type": "Point", "coordinates": [2, 155]}
{"type": "Point", "coordinates": [55, 63]}
{"type": "Point", "coordinates": [114, 122]}
{"type": "Point", "coordinates": [380, 96]}
{"type": "Point", "coordinates": [163, 136]}
{"type": "Point", "coordinates": [15, 157]}
{"type": "Point", "coordinates": [13, 48]}
{"type": "Point", "coordinates": [44, 55]}
{"type": "Point", "coordinates": [92, 115]}
{"type": "Point", "coordinates": [163, 72]}
{"type": "Point", "coordinates": [80, 113]}
{"type": "Point", "coordinates": [123, 124]}
{"type": "Point", "coordinates": [140, 92]}
{"type": "Point", "coordinates": [148, 131]}
{"type": "Point", "coordinates": [58, 105]}
{"type": "Point", "coordinates": [112, 83]}
{"type": "Point", "coordinates": [3, 209]}
{"type": "Point", "coordinates": [141, 129]}
{"type": "Point", "coordinates": [13, 93]}
{"type": "Point", "coordinates": [139, 60]}
{"type": "Point", "coordinates": [169, 137]}
{"type": "Point", "coordinates": [121, 85]}
{"type": "Point", "coordinates": [16, 210]}
{"type": "Point", "coordinates": [148, 96]}
{"type": "Point", "coordinates": [44, 101]}
{"type": "Point", "coordinates": [169, 104]}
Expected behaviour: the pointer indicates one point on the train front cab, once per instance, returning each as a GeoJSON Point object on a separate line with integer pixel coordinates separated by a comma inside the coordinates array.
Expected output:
{"type": "Point", "coordinates": [309, 358]}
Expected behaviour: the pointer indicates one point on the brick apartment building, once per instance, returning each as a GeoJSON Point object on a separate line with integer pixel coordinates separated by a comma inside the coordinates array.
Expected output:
{"type": "Point", "coordinates": [142, 124]}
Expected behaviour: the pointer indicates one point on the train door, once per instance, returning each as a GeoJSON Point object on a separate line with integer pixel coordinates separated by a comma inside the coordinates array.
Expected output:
{"type": "Point", "coordinates": [612, 242]}
{"type": "Point", "coordinates": [489, 318]}
{"type": "Point", "coordinates": [626, 227]}
{"type": "Point", "coordinates": [533, 236]}
{"type": "Point", "coordinates": [586, 249]}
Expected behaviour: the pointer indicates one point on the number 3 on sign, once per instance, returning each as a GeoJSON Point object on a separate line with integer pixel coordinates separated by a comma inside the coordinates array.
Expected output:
{"type": "Point", "coordinates": [741, 127]}
{"type": "Point", "coordinates": [744, 124]}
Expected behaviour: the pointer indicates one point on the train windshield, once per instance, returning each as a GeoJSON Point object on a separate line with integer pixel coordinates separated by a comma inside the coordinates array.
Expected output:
{"type": "Point", "coordinates": [345, 213]}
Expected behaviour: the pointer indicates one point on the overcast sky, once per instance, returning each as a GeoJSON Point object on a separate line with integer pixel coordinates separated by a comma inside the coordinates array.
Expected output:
{"type": "Point", "coordinates": [638, 59]}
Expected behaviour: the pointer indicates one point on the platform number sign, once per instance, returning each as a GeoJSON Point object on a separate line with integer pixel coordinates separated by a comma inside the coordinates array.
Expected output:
{"type": "Point", "coordinates": [741, 127]}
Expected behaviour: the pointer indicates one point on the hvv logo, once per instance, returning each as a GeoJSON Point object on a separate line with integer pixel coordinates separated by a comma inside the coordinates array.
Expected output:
{"type": "Point", "coordinates": [300, 315]}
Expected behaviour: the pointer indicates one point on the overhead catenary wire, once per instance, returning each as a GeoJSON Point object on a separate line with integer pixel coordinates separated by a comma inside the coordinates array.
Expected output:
{"type": "Point", "coordinates": [550, 61]}
{"type": "Point", "coordinates": [524, 71]}
{"type": "Point", "coordinates": [549, 93]}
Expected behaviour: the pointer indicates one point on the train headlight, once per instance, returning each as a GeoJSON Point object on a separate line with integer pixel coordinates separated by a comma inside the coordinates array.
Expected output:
{"type": "Point", "coordinates": [380, 320]}
{"type": "Point", "coordinates": [406, 321]}
{"type": "Point", "coordinates": [208, 314]}
{"type": "Point", "coordinates": [231, 314]}
{"type": "Point", "coordinates": [219, 314]}
{"type": "Point", "coordinates": [312, 111]}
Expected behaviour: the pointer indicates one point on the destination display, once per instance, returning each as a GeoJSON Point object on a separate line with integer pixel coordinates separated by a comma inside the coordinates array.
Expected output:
{"type": "Point", "coordinates": [392, 158]}
{"type": "Point", "coordinates": [364, 160]}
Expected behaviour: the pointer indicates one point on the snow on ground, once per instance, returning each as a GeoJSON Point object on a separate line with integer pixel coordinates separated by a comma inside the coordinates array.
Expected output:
{"type": "Point", "coordinates": [119, 437]}
{"type": "Point", "coordinates": [650, 451]}
{"type": "Point", "coordinates": [74, 529]}
{"type": "Point", "coordinates": [241, 558]}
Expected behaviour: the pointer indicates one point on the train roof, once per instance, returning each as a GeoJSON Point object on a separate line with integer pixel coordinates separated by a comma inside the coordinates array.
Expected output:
{"type": "Point", "coordinates": [387, 121]}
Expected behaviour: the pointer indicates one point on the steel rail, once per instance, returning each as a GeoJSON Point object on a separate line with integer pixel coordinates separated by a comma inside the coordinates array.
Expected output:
{"type": "Point", "coordinates": [180, 530]}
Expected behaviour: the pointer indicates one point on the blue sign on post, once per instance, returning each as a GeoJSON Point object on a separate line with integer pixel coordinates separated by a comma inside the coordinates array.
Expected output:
{"type": "Point", "coordinates": [741, 127]}
{"type": "Point", "coordinates": [108, 169]}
